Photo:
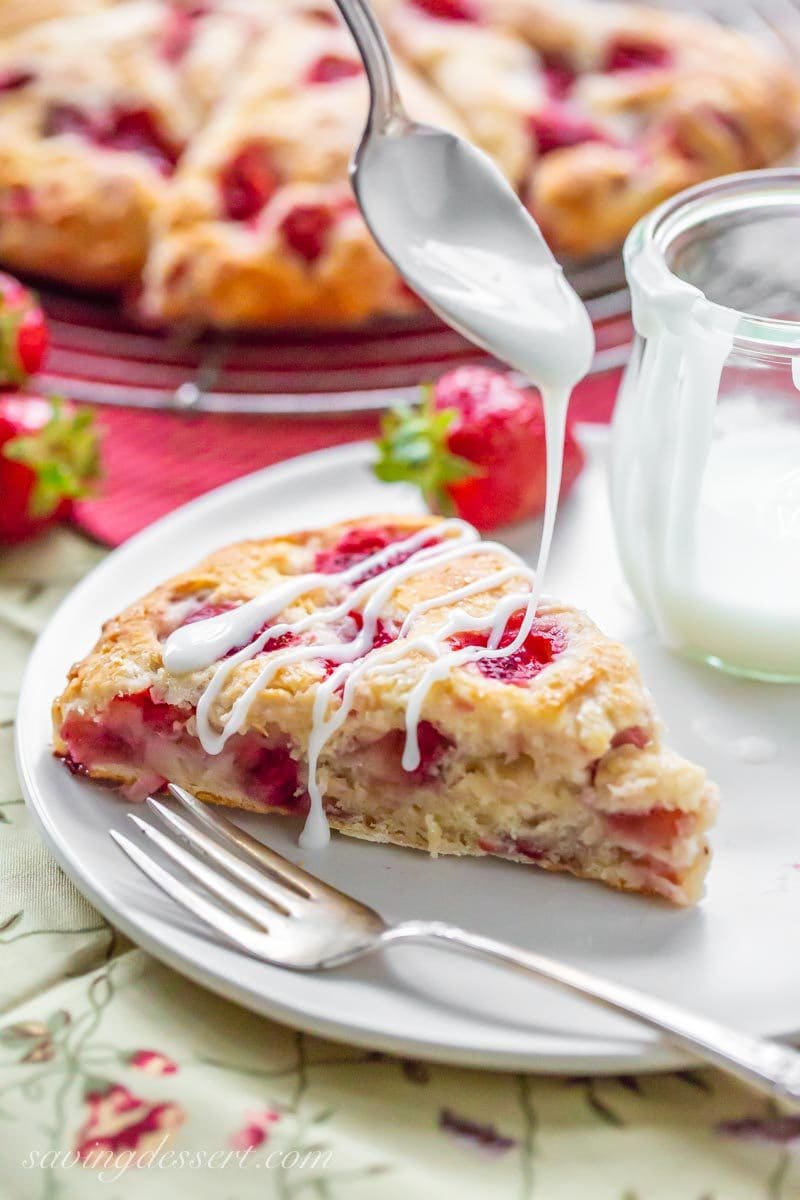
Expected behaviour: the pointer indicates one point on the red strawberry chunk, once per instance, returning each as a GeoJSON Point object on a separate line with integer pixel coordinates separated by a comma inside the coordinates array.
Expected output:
{"type": "Point", "coordinates": [544, 642]}
{"type": "Point", "coordinates": [448, 10]}
{"type": "Point", "coordinates": [346, 205]}
{"type": "Point", "coordinates": [282, 642]}
{"type": "Point", "coordinates": [384, 633]}
{"type": "Point", "coordinates": [163, 719]}
{"type": "Point", "coordinates": [12, 79]}
{"type": "Point", "coordinates": [325, 16]}
{"type": "Point", "coordinates": [556, 127]}
{"type": "Point", "coordinates": [634, 735]}
{"type": "Point", "coordinates": [91, 744]}
{"type": "Point", "coordinates": [128, 129]}
{"type": "Point", "coordinates": [329, 68]}
{"type": "Point", "coordinates": [381, 761]}
{"type": "Point", "coordinates": [433, 745]}
{"type": "Point", "coordinates": [119, 735]}
{"type": "Point", "coordinates": [271, 774]}
{"type": "Point", "coordinates": [649, 830]}
{"type": "Point", "coordinates": [353, 547]}
{"type": "Point", "coordinates": [630, 53]}
{"type": "Point", "coordinates": [559, 77]}
{"type": "Point", "coordinates": [18, 201]}
{"type": "Point", "coordinates": [179, 29]}
{"type": "Point", "coordinates": [529, 848]}
{"type": "Point", "coordinates": [206, 611]}
{"type": "Point", "coordinates": [136, 129]}
{"type": "Point", "coordinates": [305, 228]}
{"type": "Point", "coordinates": [248, 182]}
{"type": "Point", "coordinates": [74, 768]}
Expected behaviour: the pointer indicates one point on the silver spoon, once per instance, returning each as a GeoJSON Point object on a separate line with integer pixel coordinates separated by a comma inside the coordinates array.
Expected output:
{"type": "Point", "coordinates": [442, 212]}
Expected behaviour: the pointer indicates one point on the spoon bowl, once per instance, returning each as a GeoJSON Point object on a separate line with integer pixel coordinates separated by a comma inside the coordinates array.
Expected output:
{"type": "Point", "coordinates": [457, 233]}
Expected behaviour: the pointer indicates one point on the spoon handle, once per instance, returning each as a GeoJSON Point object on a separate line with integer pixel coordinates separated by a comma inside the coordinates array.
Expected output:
{"type": "Point", "coordinates": [385, 104]}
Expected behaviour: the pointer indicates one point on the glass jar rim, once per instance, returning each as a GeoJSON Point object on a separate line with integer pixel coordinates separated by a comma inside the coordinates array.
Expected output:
{"type": "Point", "coordinates": [756, 191]}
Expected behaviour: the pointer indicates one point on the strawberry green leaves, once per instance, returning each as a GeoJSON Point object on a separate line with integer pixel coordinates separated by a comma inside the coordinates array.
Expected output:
{"type": "Point", "coordinates": [413, 448]}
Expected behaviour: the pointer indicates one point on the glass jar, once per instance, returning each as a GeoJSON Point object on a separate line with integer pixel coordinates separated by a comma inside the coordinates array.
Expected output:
{"type": "Point", "coordinates": [706, 438]}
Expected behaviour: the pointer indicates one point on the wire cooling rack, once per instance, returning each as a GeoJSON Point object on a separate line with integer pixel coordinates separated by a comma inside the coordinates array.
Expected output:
{"type": "Point", "coordinates": [100, 355]}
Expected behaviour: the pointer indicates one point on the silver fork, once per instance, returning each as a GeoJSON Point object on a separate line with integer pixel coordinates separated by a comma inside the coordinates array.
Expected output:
{"type": "Point", "coordinates": [282, 915]}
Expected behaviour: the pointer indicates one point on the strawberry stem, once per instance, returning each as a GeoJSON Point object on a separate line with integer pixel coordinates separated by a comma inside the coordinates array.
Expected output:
{"type": "Point", "coordinates": [64, 456]}
{"type": "Point", "coordinates": [413, 448]}
{"type": "Point", "coordinates": [12, 369]}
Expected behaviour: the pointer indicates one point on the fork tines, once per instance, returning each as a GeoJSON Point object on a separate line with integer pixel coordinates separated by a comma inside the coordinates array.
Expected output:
{"type": "Point", "coordinates": [269, 906]}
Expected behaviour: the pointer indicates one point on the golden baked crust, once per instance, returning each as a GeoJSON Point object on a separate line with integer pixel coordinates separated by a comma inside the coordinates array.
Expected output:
{"type": "Point", "coordinates": [95, 111]}
{"type": "Point", "coordinates": [231, 259]}
{"type": "Point", "coordinates": [565, 767]}
{"type": "Point", "coordinates": [616, 107]}
{"type": "Point", "coordinates": [16, 15]}
{"type": "Point", "coordinates": [595, 112]}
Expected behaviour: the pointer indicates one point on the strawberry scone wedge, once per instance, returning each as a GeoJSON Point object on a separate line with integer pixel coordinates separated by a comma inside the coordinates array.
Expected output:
{"type": "Point", "coordinates": [388, 676]}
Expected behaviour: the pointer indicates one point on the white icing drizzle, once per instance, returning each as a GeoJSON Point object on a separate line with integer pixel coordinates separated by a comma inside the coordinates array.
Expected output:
{"type": "Point", "coordinates": [204, 643]}
{"type": "Point", "coordinates": [198, 645]}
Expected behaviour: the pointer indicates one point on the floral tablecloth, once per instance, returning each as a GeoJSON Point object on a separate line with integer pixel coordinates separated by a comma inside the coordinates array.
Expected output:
{"type": "Point", "coordinates": [119, 1078]}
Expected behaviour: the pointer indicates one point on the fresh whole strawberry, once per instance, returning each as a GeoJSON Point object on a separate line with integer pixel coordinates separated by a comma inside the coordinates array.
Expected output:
{"type": "Point", "coordinates": [23, 332]}
{"type": "Point", "coordinates": [475, 448]}
{"type": "Point", "coordinates": [49, 454]}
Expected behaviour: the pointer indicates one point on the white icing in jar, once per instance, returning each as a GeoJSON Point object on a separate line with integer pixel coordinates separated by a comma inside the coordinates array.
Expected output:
{"type": "Point", "coordinates": [706, 455]}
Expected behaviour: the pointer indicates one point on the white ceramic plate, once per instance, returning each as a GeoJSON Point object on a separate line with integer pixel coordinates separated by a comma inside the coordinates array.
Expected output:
{"type": "Point", "coordinates": [734, 957]}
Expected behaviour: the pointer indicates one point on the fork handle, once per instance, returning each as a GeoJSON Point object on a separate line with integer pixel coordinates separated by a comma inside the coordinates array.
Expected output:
{"type": "Point", "coordinates": [769, 1066]}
